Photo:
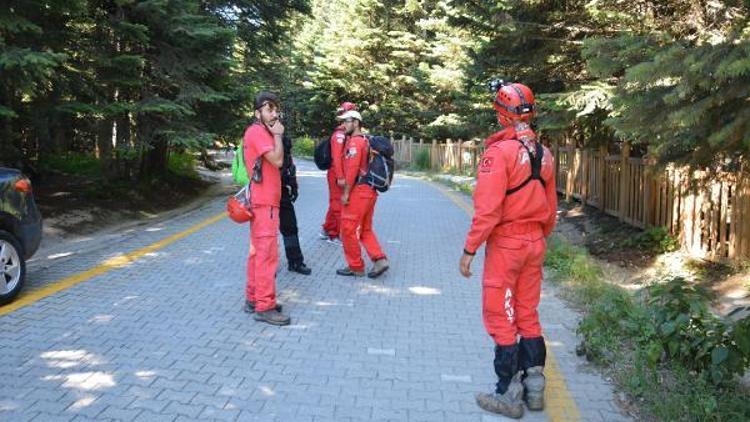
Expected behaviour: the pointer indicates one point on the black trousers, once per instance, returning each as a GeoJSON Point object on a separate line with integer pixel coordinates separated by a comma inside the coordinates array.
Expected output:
{"type": "Point", "coordinates": [289, 230]}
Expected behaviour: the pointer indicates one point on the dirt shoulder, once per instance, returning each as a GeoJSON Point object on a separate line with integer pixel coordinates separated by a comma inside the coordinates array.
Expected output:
{"type": "Point", "coordinates": [630, 259]}
{"type": "Point", "coordinates": [72, 207]}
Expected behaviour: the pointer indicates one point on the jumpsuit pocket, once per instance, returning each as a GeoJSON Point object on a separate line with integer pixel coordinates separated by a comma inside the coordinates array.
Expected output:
{"type": "Point", "coordinates": [510, 243]}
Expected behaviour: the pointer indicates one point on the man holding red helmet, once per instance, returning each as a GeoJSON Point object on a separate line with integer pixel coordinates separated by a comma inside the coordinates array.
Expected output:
{"type": "Point", "coordinates": [515, 208]}
{"type": "Point", "coordinates": [332, 225]}
{"type": "Point", "coordinates": [263, 147]}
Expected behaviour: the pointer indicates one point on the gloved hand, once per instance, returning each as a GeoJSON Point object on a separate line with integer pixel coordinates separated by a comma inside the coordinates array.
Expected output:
{"type": "Point", "coordinates": [293, 192]}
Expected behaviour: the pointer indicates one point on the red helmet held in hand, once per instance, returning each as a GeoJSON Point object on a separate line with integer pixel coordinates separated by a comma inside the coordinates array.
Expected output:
{"type": "Point", "coordinates": [238, 212]}
{"type": "Point", "coordinates": [514, 102]}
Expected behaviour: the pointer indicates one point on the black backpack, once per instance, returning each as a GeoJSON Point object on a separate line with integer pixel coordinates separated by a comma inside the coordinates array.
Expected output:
{"type": "Point", "coordinates": [323, 154]}
{"type": "Point", "coordinates": [381, 167]}
{"type": "Point", "coordinates": [536, 167]}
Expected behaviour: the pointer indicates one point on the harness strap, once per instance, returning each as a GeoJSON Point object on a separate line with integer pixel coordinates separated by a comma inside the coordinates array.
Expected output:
{"type": "Point", "coordinates": [536, 168]}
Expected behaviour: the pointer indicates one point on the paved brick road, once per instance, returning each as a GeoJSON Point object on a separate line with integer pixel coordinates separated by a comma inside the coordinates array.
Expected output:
{"type": "Point", "coordinates": [164, 338]}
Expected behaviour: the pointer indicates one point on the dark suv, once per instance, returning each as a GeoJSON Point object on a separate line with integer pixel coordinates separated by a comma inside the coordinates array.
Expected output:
{"type": "Point", "coordinates": [20, 231]}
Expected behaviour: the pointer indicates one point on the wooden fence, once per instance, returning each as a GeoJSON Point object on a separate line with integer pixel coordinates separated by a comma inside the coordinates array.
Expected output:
{"type": "Point", "coordinates": [711, 218]}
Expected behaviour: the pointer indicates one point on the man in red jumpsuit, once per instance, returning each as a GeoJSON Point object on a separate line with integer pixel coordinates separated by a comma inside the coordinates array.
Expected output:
{"type": "Point", "coordinates": [514, 213]}
{"type": "Point", "coordinates": [332, 225]}
{"type": "Point", "coordinates": [264, 155]}
{"type": "Point", "coordinates": [359, 204]}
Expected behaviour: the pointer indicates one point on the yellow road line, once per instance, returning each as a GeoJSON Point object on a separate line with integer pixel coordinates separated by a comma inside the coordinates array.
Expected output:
{"type": "Point", "coordinates": [559, 404]}
{"type": "Point", "coordinates": [119, 261]}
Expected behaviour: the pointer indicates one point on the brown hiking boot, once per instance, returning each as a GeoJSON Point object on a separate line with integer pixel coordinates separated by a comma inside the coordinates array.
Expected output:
{"type": "Point", "coordinates": [509, 404]}
{"type": "Point", "coordinates": [534, 388]}
{"type": "Point", "coordinates": [346, 271]}
{"type": "Point", "coordinates": [378, 267]}
{"type": "Point", "coordinates": [249, 307]}
{"type": "Point", "coordinates": [272, 317]}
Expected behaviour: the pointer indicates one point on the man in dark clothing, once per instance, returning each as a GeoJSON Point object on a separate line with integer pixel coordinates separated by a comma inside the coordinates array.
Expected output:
{"type": "Point", "coordinates": [287, 217]}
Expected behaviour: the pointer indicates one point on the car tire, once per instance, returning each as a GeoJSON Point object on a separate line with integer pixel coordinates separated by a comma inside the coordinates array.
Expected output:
{"type": "Point", "coordinates": [12, 267]}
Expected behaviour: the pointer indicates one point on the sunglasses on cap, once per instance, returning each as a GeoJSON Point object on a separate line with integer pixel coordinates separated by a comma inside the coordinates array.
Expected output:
{"type": "Point", "coordinates": [269, 103]}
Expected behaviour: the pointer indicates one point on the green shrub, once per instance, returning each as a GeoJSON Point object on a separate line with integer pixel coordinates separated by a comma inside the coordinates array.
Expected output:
{"type": "Point", "coordinates": [654, 239]}
{"type": "Point", "coordinates": [422, 160]}
{"type": "Point", "coordinates": [76, 164]}
{"type": "Point", "coordinates": [303, 147]}
{"type": "Point", "coordinates": [664, 345]}
{"type": "Point", "coordinates": [182, 164]}
{"type": "Point", "coordinates": [690, 334]}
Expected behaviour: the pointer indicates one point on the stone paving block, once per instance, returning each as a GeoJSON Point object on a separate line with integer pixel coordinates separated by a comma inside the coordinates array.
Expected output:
{"type": "Point", "coordinates": [47, 407]}
{"type": "Point", "coordinates": [118, 413]}
{"type": "Point", "coordinates": [177, 408]}
{"type": "Point", "coordinates": [46, 417]}
{"type": "Point", "coordinates": [149, 416]}
{"type": "Point", "coordinates": [149, 404]}
{"type": "Point", "coordinates": [183, 397]}
{"type": "Point", "coordinates": [210, 412]}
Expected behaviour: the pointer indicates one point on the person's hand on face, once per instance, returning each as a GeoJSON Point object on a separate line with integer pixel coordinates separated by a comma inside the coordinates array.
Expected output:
{"type": "Point", "coordinates": [270, 117]}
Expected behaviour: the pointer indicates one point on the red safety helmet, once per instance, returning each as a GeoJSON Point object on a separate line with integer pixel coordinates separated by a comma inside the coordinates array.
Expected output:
{"type": "Point", "coordinates": [514, 102]}
{"type": "Point", "coordinates": [238, 212]}
{"type": "Point", "coordinates": [344, 107]}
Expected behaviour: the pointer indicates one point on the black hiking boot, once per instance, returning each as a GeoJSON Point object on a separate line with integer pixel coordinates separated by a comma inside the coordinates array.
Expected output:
{"type": "Point", "coordinates": [300, 268]}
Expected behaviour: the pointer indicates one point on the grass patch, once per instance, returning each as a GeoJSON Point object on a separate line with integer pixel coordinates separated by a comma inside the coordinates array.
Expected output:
{"type": "Point", "coordinates": [422, 160]}
{"type": "Point", "coordinates": [73, 164]}
{"type": "Point", "coordinates": [663, 346]}
{"type": "Point", "coordinates": [182, 164]}
{"type": "Point", "coordinates": [464, 187]}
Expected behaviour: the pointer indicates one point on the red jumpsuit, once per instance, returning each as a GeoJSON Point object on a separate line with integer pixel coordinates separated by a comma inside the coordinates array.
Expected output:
{"type": "Point", "coordinates": [356, 218]}
{"type": "Point", "coordinates": [265, 198]}
{"type": "Point", "coordinates": [332, 224]}
{"type": "Point", "coordinates": [515, 228]}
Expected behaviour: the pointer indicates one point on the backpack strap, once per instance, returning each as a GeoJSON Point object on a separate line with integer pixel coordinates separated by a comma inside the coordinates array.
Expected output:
{"type": "Point", "coordinates": [536, 168]}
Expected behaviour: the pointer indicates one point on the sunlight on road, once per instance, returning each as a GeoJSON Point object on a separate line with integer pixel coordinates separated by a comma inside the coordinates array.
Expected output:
{"type": "Point", "coordinates": [425, 291]}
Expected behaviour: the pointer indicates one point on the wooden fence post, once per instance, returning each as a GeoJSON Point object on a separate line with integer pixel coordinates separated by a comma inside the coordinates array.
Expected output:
{"type": "Point", "coordinates": [602, 182]}
{"type": "Point", "coordinates": [460, 156]}
{"type": "Point", "coordinates": [624, 181]}
{"type": "Point", "coordinates": [433, 154]}
{"type": "Point", "coordinates": [572, 170]}
{"type": "Point", "coordinates": [584, 176]}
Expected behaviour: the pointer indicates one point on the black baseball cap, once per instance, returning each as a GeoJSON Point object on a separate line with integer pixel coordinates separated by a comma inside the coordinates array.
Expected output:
{"type": "Point", "coordinates": [265, 97]}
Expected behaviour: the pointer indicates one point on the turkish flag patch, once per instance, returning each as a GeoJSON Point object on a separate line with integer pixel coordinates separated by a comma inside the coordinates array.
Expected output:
{"type": "Point", "coordinates": [486, 164]}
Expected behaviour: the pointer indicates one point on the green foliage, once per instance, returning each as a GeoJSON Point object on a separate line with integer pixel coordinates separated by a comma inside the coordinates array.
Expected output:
{"type": "Point", "coordinates": [573, 263]}
{"type": "Point", "coordinates": [182, 164]}
{"type": "Point", "coordinates": [691, 335]}
{"type": "Point", "coordinates": [422, 160]}
{"type": "Point", "coordinates": [141, 77]}
{"type": "Point", "coordinates": [400, 61]}
{"type": "Point", "coordinates": [654, 239]}
{"type": "Point", "coordinates": [74, 164]}
{"type": "Point", "coordinates": [665, 346]}
{"type": "Point", "coordinates": [303, 146]}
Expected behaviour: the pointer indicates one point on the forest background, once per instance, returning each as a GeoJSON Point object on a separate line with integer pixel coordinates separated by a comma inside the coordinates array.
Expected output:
{"type": "Point", "coordinates": [125, 88]}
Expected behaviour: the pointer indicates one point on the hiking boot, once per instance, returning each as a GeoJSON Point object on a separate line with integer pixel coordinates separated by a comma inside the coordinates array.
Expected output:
{"type": "Point", "coordinates": [249, 307]}
{"type": "Point", "coordinates": [534, 388]}
{"type": "Point", "coordinates": [272, 317]}
{"type": "Point", "coordinates": [346, 271]}
{"type": "Point", "coordinates": [300, 268]}
{"type": "Point", "coordinates": [378, 267]}
{"type": "Point", "coordinates": [509, 404]}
